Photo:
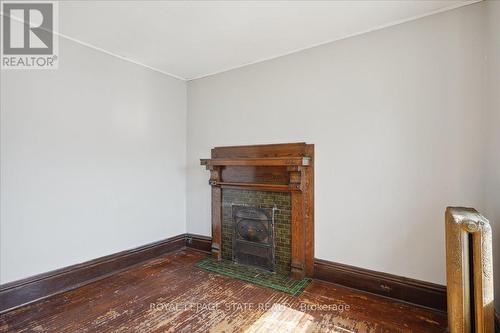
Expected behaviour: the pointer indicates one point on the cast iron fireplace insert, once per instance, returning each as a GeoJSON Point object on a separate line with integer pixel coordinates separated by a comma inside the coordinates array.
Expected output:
{"type": "Point", "coordinates": [253, 236]}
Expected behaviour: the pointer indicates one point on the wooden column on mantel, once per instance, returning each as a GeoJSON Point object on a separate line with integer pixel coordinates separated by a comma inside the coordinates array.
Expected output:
{"type": "Point", "coordinates": [285, 167]}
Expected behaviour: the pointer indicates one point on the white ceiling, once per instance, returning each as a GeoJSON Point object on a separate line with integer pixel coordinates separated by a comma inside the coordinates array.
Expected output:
{"type": "Point", "coordinates": [192, 39]}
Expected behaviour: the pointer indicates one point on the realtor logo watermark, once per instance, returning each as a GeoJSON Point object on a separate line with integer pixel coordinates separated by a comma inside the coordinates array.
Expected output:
{"type": "Point", "coordinates": [28, 39]}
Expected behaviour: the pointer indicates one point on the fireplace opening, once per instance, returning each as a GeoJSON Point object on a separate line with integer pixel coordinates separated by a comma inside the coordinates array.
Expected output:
{"type": "Point", "coordinates": [253, 236]}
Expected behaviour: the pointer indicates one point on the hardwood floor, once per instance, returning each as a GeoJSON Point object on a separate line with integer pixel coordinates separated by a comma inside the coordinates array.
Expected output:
{"type": "Point", "coordinates": [169, 294]}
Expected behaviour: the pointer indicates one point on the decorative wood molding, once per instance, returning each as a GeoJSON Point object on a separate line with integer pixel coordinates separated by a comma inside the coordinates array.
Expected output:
{"type": "Point", "coordinates": [264, 161]}
{"type": "Point", "coordinates": [417, 292]}
{"type": "Point", "coordinates": [285, 167]}
{"type": "Point", "coordinates": [309, 215]}
{"type": "Point", "coordinates": [253, 186]}
{"type": "Point", "coordinates": [216, 222]}
{"type": "Point", "coordinates": [35, 288]}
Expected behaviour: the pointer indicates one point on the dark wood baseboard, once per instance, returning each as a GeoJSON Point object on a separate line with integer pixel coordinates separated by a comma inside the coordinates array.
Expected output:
{"type": "Point", "coordinates": [21, 292]}
{"type": "Point", "coordinates": [421, 293]}
{"type": "Point", "coordinates": [18, 293]}
{"type": "Point", "coordinates": [198, 242]}
{"type": "Point", "coordinates": [417, 292]}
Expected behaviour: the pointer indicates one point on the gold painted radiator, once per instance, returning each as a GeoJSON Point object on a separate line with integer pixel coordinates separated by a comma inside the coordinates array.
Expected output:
{"type": "Point", "coordinates": [469, 271]}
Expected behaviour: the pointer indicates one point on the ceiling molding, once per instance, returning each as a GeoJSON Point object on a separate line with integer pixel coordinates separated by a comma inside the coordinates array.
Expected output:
{"type": "Point", "coordinates": [155, 69]}
{"type": "Point", "coordinates": [119, 56]}
{"type": "Point", "coordinates": [379, 27]}
{"type": "Point", "coordinates": [100, 49]}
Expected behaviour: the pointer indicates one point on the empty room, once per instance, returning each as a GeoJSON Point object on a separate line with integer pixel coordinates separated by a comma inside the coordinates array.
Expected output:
{"type": "Point", "coordinates": [250, 166]}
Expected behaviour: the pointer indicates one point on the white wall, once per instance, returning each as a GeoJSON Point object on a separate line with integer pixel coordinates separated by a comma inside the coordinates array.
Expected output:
{"type": "Point", "coordinates": [492, 179]}
{"type": "Point", "coordinates": [397, 119]}
{"type": "Point", "coordinates": [92, 161]}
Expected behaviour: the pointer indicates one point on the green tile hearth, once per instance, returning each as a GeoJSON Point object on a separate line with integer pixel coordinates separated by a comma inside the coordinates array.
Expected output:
{"type": "Point", "coordinates": [254, 275]}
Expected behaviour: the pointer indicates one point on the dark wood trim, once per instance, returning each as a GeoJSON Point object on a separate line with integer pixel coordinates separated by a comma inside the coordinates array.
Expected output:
{"type": "Point", "coordinates": [122, 304]}
{"type": "Point", "coordinates": [253, 186]}
{"type": "Point", "coordinates": [421, 293]}
{"type": "Point", "coordinates": [309, 215]}
{"type": "Point", "coordinates": [35, 288]}
{"type": "Point", "coordinates": [417, 292]}
{"type": "Point", "coordinates": [253, 151]}
{"type": "Point", "coordinates": [198, 242]}
{"type": "Point", "coordinates": [217, 222]}
{"type": "Point", "coordinates": [408, 290]}
{"type": "Point", "coordinates": [21, 292]}
{"type": "Point", "coordinates": [298, 256]}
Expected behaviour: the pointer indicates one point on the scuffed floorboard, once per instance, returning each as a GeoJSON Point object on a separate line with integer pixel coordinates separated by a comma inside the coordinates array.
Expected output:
{"type": "Point", "coordinates": [169, 294]}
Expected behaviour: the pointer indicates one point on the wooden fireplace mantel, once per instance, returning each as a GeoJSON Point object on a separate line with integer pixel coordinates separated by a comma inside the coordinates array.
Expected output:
{"type": "Point", "coordinates": [285, 167]}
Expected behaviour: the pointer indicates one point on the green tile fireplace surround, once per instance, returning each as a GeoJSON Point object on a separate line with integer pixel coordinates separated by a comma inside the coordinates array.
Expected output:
{"type": "Point", "coordinates": [282, 222]}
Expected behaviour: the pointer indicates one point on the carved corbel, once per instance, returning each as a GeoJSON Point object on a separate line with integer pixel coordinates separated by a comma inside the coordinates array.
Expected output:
{"type": "Point", "coordinates": [296, 174]}
{"type": "Point", "coordinates": [215, 176]}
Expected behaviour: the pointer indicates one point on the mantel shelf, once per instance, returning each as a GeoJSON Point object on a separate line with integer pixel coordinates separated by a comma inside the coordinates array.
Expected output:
{"type": "Point", "coordinates": [263, 161]}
